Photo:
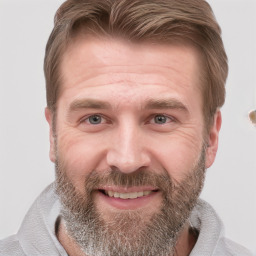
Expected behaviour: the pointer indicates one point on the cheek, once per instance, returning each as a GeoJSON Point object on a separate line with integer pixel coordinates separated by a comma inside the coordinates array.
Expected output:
{"type": "Point", "coordinates": [178, 154]}
{"type": "Point", "coordinates": [79, 156]}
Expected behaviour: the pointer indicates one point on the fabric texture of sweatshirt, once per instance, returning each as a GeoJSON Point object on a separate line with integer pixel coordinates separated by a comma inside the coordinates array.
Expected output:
{"type": "Point", "coordinates": [36, 235]}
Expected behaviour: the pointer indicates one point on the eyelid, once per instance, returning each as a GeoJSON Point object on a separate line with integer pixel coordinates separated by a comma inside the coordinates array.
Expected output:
{"type": "Point", "coordinates": [106, 120]}
{"type": "Point", "coordinates": [172, 119]}
{"type": "Point", "coordinates": [86, 118]}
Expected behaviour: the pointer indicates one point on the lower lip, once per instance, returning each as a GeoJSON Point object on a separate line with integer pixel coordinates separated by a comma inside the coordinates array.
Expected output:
{"type": "Point", "coordinates": [128, 204]}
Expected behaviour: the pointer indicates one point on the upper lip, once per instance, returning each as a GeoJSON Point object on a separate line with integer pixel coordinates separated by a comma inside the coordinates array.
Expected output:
{"type": "Point", "coordinates": [119, 189]}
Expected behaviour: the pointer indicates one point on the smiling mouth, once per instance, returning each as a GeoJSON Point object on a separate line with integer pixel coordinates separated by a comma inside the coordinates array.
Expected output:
{"type": "Point", "coordinates": [132, 195]}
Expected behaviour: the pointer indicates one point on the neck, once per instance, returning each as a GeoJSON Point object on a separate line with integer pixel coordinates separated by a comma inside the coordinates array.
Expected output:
{"type": "Point", "coordinates": [70, 246]}
{"type": "Point", "coordinates": [186, 241]}
{"type": "Point", "coordinates": [184, 245]}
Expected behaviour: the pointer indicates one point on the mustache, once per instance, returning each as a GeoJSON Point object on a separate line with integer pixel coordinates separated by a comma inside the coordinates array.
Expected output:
{"type": "Point", "coordinates": [160, 180]}
{"type": "Point", "coordinates": [140, 177]}
{"type": "Point", "coordinates": [115, 177]}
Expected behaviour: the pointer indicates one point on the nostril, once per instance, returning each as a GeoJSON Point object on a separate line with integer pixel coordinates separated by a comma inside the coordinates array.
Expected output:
{"type": "Point", "coordinates": [127, 161]}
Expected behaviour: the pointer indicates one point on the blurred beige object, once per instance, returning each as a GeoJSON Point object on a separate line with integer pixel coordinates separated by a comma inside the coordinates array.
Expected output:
{"type": "Point", "coordinates": [252, 116]}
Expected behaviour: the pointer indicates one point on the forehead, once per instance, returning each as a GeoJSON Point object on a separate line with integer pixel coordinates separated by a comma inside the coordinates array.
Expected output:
{"type": "Point", "coordinates": [90, 63]}
{"type": "Point", "coordinates": [94, 51]}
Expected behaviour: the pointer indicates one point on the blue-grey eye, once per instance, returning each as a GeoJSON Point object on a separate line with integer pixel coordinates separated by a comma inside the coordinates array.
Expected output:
{"type": "Point", "coordinates": [160, 119]}
{"type": "Point", "coordinates": [95, 119]}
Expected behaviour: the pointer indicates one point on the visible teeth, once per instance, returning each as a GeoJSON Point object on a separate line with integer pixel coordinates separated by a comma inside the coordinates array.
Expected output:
{"type": "Point", "coordinates": [140, 194]}
{"type": "Point", "coordinates": [146, 193]}
{"type": "Point", "coordinates": [124, 196]}
{"type": "Point", "coordinates": [111, 193]}
{"type": "Point", "coordinates": [133, 195]}
{"type": "Point", "coordinates": [116, 194]}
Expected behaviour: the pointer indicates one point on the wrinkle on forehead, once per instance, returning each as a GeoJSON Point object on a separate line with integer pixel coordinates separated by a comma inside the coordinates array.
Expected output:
{"type": "Point", "coordinates": [110, 56]}
{"type": "Point", "coordinates": [128, 68]}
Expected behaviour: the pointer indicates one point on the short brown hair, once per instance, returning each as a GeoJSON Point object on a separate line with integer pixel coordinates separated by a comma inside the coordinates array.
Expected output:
{"type": "Point", "coordinates": [161, 21]}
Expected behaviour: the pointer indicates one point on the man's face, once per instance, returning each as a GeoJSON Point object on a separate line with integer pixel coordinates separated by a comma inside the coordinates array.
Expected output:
{"type": "Point", "coordinates": [129, 135]}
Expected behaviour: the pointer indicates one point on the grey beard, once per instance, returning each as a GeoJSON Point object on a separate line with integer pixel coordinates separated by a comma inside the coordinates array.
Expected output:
{"type": "Point", "coordinates": [127, 233]}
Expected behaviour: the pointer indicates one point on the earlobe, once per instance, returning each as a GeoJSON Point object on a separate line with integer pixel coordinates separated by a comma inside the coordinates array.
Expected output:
{"type": "Point", "coordinates": [49, 118]}
{"type": "Point", "coordinates": [213, 139]}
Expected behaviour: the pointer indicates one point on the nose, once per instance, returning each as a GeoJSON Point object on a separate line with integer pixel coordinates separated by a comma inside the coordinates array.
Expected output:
{"type": "Point", "coordinates": [128, 150]}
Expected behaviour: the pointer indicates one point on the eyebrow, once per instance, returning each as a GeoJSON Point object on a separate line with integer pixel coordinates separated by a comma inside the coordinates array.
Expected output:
{"type": "Point", "coordinates": [169, 103]}
{"type": "Point", "coordinates": [165, 104]}
{"type": "Point", "coordinates": [88, 103]}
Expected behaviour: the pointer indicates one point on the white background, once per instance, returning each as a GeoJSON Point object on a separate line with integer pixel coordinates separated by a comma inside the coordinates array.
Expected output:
{"type": "Point", "coordinates": [25, 169]}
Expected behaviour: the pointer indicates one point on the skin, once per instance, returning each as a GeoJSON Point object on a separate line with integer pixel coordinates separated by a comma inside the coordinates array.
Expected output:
{"type": "Point", "coordinates": [127, 85]}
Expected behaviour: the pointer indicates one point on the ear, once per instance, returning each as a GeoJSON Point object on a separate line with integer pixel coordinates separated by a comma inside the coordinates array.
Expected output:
{"type": "Point", "coordinates": [213, 140]}
{"type": "Point", "coordinates": [49, 118]}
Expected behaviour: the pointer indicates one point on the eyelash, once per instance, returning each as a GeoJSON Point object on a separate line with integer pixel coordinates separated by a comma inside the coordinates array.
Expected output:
{"type": "Point", "coordinates": [86, 119]}
{"type": "Point", "coordinates": [171, 119]}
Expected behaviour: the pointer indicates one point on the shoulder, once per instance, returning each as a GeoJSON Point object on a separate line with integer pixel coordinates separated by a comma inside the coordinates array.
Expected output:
{"type": "Point", "coordinates": [11, 246]}
{"type": "Point", "coordinates": [211, 240]}
{"type": "Point", "coordinates": [37, 231]}
{"type": "Point", "coordinates": [230, 248]}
